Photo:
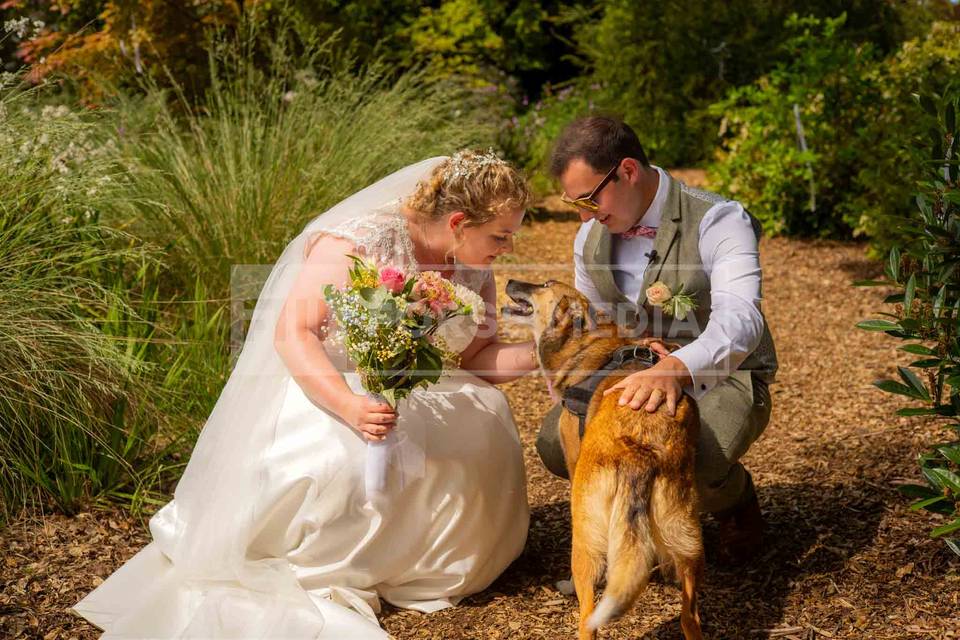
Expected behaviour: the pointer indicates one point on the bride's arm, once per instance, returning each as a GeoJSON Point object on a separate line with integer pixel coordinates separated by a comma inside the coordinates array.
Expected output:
{"type": "Point", "coordinates": [487, 357]}
{"type": "Point", "coordinates": [299, 334]}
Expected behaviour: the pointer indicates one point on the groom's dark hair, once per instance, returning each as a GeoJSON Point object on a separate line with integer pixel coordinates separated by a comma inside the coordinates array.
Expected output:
{"type": "Point", "coordinates": [602, 142]}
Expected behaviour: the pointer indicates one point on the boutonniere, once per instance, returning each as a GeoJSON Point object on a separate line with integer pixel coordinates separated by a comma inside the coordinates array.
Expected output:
{"type": "Point", "coordinates": [677, 305]}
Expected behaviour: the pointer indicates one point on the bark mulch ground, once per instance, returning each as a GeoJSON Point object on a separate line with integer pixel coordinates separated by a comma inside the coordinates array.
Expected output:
{"type": "Point", "coordinates": [845, 558]}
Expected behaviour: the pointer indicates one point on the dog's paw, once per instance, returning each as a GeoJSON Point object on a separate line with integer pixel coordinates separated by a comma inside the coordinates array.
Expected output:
{"type": "Point", "coordinates": [566, 587]}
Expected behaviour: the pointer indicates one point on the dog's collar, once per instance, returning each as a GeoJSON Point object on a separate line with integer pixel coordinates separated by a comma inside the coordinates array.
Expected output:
{"type": "Point", "coordinates": [576, 398]}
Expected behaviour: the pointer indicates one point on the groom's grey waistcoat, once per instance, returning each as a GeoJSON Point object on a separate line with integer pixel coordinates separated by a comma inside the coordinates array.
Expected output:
{"type": "Point", "coordinates": [677, 264]}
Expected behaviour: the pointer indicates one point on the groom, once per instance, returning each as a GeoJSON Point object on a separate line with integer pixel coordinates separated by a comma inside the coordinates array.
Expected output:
{"type": "Point", "coordinates": [641, 226]}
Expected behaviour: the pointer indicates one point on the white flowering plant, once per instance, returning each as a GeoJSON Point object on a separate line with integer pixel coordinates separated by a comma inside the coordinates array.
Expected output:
{"type": "Point", "coordinates": [389, 323]}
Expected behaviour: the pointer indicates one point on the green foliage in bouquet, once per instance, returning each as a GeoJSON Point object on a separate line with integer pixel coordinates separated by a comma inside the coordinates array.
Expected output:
{"type": "Point", "coordinates": [389, 326]}
{"type": "Point", "coordinates": [926, 273]}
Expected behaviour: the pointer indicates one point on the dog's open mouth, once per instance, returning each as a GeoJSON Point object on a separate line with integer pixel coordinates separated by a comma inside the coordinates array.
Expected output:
{"type": "Point", "coordinates": [519, 293]}
{"type": "Point", "coordinates": [518, 308]}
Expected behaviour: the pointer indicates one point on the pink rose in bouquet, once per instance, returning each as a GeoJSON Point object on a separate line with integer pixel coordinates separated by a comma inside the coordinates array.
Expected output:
{"type": "Point", "coordinates": [392, 279]}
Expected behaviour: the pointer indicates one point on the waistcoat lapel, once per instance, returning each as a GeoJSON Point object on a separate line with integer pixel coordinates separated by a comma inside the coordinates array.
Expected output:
{"type": "Point", "coordinates": [597, 256]}
{"type": "Point", "coordinates": [666, 244]}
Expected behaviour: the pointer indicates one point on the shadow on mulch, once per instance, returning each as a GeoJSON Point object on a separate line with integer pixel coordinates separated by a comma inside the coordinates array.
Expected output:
{"type": "Point", "coordinates": [545, 559]}
{"type": "Point", "coordinates": [812, 530]}
{"type": "Point", "coordinates": [862, 269]}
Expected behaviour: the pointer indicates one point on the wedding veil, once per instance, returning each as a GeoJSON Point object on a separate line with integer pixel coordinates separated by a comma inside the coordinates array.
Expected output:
{"type": "Point", "coordinates": [213, 510]}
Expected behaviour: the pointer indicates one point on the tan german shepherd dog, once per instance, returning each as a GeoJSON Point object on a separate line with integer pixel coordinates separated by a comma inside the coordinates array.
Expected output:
{"type": "Point", "coordinates": [633, 498]}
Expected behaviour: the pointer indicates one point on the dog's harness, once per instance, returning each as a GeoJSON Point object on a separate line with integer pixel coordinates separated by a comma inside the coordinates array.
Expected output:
{"type": "Point", "coordinates": [576, 398]}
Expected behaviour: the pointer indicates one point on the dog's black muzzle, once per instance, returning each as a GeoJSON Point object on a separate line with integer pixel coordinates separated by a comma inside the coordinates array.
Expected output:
{"type": "Point", "coordinates": [520, 293]}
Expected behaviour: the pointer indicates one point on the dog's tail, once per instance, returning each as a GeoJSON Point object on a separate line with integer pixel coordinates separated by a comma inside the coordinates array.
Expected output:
{"type": "Point", "coordinates": [631, 552]}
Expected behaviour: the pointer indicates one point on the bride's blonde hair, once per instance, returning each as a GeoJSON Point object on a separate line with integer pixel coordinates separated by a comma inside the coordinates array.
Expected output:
{"type": "Point", "coordinates": [479, 183]}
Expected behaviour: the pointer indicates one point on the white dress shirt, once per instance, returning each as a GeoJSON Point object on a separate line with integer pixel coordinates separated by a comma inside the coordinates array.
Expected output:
{"type": "Point", "coordinates": [728, 251]}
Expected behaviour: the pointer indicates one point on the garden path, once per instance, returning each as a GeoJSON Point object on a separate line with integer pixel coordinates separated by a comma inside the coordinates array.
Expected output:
{"type": "Point", "coordinates": [845, 557]}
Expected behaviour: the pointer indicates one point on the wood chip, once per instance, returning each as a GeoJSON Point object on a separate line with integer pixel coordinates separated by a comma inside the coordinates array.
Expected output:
{"type": "Point", "coordinates": [839, 531]}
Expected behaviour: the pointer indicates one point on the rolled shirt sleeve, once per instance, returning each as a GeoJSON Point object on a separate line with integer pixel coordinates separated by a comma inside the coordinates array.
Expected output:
{"type": "Point", "coordinates": [730, 257]}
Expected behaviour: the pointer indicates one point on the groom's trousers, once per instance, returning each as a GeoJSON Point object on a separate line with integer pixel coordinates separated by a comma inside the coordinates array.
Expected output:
{"type": "Point", "coordinates": [732, 416]}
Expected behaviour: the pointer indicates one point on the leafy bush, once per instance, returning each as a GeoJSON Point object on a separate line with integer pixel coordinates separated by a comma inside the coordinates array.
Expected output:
{"type": "Point", "coordinates": [926, 274]}
{"type": "Point", "coordinates": [826, 91]}
{"type": "Point", "coordinates": [662, 64]}
{"type": "Point", "coordinates": [855, 109]}
{"type": "Point", "coordinates": [529, 138]}
{"type": "Point", "coordinates": [97, 42]}
{"type": "Point", "coordinates": [113, 42]}
{"type": "Point", "coordinates": [888, 168]}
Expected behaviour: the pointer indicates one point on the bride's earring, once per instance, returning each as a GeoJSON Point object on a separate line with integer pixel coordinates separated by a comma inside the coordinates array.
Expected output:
{"type": "Point", "coordinates": [451, 255]}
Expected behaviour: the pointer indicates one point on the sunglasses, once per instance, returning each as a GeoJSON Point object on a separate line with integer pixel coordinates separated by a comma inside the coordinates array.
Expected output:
{"type": "Point", "coordinates": [589, 202]}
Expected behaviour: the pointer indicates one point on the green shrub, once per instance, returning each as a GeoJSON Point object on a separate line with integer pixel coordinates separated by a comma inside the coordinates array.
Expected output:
{"type": "Point", "coordinates": [528, 139]}
{"type": "Point", "coordinates": [888, 168]}
{"type": "Point", "coordinates": [827, 85]}
{"type": "Point", "coordinates": [856, 111]}
{"type": "Point", "coordinates": [662, 64]}
{"type": "Point", "coordinates": [925, 271]}
{"type": "Point", "coordinates": [488, 42]}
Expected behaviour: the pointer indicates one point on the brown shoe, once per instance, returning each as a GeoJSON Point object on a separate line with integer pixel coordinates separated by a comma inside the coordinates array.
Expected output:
{"type": "Point", "coordinates": [741, 529]}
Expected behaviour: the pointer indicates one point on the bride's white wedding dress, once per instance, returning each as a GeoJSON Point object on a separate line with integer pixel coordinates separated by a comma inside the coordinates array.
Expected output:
{"type": "Point", "coordinates": [269, 534]}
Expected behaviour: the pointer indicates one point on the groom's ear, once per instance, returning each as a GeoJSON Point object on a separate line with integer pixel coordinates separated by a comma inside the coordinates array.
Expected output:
{"type": "Point", "coordinates": [631, 169]}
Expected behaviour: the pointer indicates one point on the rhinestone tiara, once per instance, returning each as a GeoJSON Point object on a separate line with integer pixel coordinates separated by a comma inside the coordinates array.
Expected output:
{"type": "Point", "coordinates": [466, 163]}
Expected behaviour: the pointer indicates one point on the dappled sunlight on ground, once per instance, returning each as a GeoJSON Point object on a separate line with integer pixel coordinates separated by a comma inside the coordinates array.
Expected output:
{"type": "Point", "coordinates": [844, 559]}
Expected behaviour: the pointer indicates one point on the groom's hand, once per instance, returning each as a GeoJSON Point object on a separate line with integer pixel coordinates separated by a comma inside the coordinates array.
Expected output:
{"type": "Point", "coordinates": [662, 382]}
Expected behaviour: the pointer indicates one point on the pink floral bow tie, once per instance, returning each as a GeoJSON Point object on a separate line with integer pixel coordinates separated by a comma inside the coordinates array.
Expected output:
{"type": "Point", "coordinates": [639, 231]}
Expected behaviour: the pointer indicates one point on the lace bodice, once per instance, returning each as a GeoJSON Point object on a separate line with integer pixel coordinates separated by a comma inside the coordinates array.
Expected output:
{"type": "Point", "coordinates": [382, 236]}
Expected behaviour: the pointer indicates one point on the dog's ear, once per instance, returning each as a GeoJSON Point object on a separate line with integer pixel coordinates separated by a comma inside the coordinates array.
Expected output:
{"type": "Point", "coordinates": [559, 321]}
{"type": "Point", "coordinates": [582, 315]}
{"type": "Point", "coordinates": [572, 313]}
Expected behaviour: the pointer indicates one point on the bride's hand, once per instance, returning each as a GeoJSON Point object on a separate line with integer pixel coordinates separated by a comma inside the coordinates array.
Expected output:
{"type": "Point", "coordinates": [371, 418]}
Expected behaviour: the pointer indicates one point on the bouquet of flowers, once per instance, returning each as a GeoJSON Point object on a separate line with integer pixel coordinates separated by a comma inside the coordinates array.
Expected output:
{"type": "Point", "coordinates": [389, 323]}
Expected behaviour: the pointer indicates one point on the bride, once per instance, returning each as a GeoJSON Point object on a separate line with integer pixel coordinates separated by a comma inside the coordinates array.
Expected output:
{"type": "Point", "coordinates": [269, 534]}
